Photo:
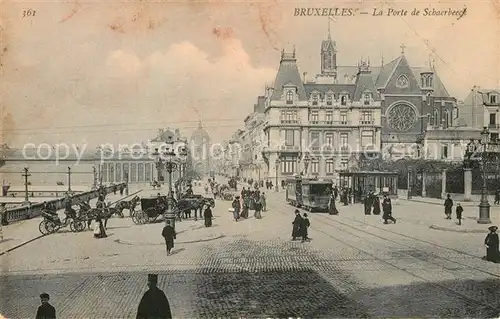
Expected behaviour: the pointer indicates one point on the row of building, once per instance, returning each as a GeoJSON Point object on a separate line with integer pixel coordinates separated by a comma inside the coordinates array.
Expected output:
{"type": "Point", "coordinates": [50, 167]}
{"type": "Point", "coordinates": [318, 126]}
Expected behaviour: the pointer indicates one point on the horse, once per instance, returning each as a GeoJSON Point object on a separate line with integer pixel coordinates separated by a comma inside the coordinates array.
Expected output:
{"type": "Point", "coordinates": [128, 204]}
{"type": "Point", "coordinates": [187, 204]}
{"type": "Point", "coordinates": [104, 214]}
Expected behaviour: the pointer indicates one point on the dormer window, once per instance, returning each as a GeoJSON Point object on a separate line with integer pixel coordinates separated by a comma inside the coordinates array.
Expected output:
{"type": "Point", "coordinates": [315, 98]}
{"type": "Point", "coordinates": [493, 99]}
{"type": "Point", "coordinates": [343, 100]}
{"type": "Point", "coordinates": [329, 99]}
{"type": "Point", "coordinates": [366, 98]}
{"type": "Point", "coordinates": [289, 97]}
{"type": "Point", "coordinates": [402, 81]}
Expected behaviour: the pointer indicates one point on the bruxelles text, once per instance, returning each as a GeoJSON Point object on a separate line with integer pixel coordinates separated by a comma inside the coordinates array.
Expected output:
{"type": "Point", "coordinates": [235, 152]}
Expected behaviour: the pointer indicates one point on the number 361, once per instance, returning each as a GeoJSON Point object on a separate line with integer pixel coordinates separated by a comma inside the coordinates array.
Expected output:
{"type": "Point", "coordinates": [29, 13]}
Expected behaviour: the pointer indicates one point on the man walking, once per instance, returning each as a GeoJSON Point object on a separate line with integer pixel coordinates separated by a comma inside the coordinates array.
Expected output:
{"type": "Point", "coordinates": [448, 205]}
{"type": "Point", "coordinates": [154, 304]}
{"type": "Point", "coordinates": [387, 209]}
{"type": "Point", "coordinates": [459, 210]}
{"type": "Point", "coordinates": [46, 310]}
{"type": "Point", "coordinates": [169, 234]}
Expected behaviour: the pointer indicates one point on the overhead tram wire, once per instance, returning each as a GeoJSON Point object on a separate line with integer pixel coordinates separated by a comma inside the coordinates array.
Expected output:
{"type": "Point", "coordinates": [38, 132]}
{"type": "Point", "coordinates": [174, 123]}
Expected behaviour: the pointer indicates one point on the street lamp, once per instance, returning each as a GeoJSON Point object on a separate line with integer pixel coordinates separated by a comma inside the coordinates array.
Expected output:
{"type": "Point", "coordinates": [484, 206]}
{"type": "Point", "coordinates": [408, 183]}
{"type": "Point", "coordinates": [277, 163]}
{"type": "Point", "coordinates": [306, 160]}
{"type": "Point", "coordinates": [183, 164]}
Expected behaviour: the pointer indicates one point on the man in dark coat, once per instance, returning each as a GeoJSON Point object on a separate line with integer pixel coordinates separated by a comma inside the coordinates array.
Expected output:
{"type": "Point", "coordinates": [368, 203]}
{"type": "Point", "coordinates": [387, 208]}
{"type": "Point", "coordinates": [297, 222]}
{"type": "Point", "coordinates": [46, 310]}
{"type": "Point", "coordinates": [154, 304]}
{"type": "Point", "coordinates": [376, 205]}
{"type": "Point", "coordinates": [448, 205]}
{"type": "Point", "coordinates": [169, 234]}
{"type": "Point", "coordinates": [304, 225]}
{"type": "Point", "coordinates": [459, 210]}
{"type": "Point", "coordinates": [207, 214]}
{"type": "Point", "coordinates": [491, 244]}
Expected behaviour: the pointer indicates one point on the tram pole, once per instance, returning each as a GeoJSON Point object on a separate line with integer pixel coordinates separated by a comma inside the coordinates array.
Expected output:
{"type": "Point", "coordinates": [26, 183]}
{"type": "Point", "coordinates": [69, 179]}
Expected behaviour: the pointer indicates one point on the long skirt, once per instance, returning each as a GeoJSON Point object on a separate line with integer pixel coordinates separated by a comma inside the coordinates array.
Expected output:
{"type": "Point", "coordinates": [296, 231]}
{"type": "Point", "coordinates": [208, 221]}
{"type": "Point", "coordinates": [333, 209]}
{"type": "Point", "coordinates": [258, 214]}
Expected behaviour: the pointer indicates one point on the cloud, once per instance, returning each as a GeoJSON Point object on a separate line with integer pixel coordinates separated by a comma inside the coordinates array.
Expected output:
{"type": "Point", "coordinates": [126, 96]}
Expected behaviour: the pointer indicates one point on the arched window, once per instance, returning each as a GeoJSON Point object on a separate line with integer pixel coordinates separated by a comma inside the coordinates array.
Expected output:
{"type": "Point", "coordinates": [289, 97]}
{"type": "Point", "coordinates": [343, 100]}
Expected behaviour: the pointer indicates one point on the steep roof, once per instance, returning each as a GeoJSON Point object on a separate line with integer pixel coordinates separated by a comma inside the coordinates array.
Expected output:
{"type": "Point", "coordinates": [335, 88]}
{"type": "Point", "coordinates": [288, 74]}
{"type": "Point", "coordinates": [364, 82]}
{"type": "Point", "coordinates": [386, 72]}
{"type": "Point", "coordinates": [438, 86]}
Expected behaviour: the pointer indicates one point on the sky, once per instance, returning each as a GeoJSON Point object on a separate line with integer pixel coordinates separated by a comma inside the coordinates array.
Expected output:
{"type": "Point", "coordinates": [96, 72]}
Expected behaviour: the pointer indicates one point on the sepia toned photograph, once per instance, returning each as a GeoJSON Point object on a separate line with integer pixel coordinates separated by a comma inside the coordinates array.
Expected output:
{"type": "Point", "coordinates": [249, 159]}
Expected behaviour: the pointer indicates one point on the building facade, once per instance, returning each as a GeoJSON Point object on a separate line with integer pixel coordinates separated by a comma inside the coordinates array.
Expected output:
{"type": "Point", "coordinates": [348, 110]}
{"type": "Point", "coordinates": [106, 166]}
{"type": "Point", "coordinates": [200, 147]}
{"type": "Point", "coordinates": [252, 164]}
{"type": "Point", "coordinates": [481, 108]}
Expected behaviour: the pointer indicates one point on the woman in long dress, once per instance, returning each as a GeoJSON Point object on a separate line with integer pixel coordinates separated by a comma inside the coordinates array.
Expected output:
{"type": "Point", "coordinates": [332, 209]}
{"type": "Point", "coordinates": [207, 214]}
{"type": "Point", "coordinates": [491, 244]}
{"type": "Point", "coordinates": [236, 208]}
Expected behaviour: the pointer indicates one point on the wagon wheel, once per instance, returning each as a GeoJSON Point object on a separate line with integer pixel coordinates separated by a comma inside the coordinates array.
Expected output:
{"type": "Point", "coordinates": [43, 227]}
{"type": "Point", "coordinates": [72, 226]}
{"type": "Point", "coordinates": [79, 225]}
{"type": "Point", "coordinates": [143, 217]}
{"type": "Point", "coordinates": [136, 217]}
{"type": "Point", "coordinates": [150, 215]}
{"type": "Point", "coordinates": [51, 227]}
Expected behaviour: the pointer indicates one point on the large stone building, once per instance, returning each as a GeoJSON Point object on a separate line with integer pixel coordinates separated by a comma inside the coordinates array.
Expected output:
{"type": "Point", "coordinates": [48, 167]}
{"type": "Point", "coordinates": [348, 109]}
{"type": "Point", "coordinates": [201, 148]}
{"type": "Point", "coordinates": [481, 108]}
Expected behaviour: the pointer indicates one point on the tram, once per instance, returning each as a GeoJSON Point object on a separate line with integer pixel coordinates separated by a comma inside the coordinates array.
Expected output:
{"type": "Point", "coordinates": [308, 193]}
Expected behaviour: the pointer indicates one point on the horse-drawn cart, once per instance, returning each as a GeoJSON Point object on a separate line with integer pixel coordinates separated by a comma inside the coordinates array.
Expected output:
{"type": "Point", "coordinates": [151, 209]}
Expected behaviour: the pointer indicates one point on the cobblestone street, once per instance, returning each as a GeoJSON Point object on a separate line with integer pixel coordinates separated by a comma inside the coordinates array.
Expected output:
{"type": "Point", "coordinates": [354, 266]}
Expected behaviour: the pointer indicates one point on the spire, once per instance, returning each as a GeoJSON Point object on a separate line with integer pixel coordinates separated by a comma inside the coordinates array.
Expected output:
{"type": "Point", "coordinates": [403, 46]}
{"type": "Point", "coordinates": [382, 60]}
{"type": "Point", "coordinates": [329, 30]}
{"type": "Point", "coordinates": [200, 125]}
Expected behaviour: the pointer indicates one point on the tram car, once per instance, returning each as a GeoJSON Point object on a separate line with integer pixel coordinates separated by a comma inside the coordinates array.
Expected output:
{"type": "Point", "coordinates": [309, 194]}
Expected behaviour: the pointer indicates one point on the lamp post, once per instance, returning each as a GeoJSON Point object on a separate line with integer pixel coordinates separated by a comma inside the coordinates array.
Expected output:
{"type": "Point", "coordinates": [69, 179]}
{"type": "Point", "coordinates": [94, 182]}
{"type": "Point", "coordinates": [183, 163]}
{"type": "Point", "coordinates": [277, 164]}
{"type": "Point", "coordinates": [484, 206]}
{"type": "Point", "coordinates": [408, 183]}
{"type": "Point", "coordinates": [26, 183]}
{"type": "Point", "coordinates": [306, 160]}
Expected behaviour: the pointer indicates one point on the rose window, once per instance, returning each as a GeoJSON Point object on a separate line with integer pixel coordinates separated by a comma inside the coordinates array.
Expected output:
{"type": "Point", "coordinates": [401, 117]}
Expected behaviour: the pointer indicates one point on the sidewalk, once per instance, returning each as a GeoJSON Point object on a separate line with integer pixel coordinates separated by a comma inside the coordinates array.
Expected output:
{"type": "Point", "coordinates": [23, 232]}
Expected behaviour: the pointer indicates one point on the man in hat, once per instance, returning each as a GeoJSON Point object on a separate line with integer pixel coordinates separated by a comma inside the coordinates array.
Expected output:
{"type": "Point", "coordinates": [169, 234]}
{"type": "Point", "coordinates": [154, 303]}
{"type": "Point", "coordinates": [46, 310]}
{"type": "Point", "coordinates": [491, 244]}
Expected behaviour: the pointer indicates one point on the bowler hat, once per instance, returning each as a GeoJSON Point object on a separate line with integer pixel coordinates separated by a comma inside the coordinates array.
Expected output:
{"type": "Point", "coordinates": [493, 228]}
{"type": "Point", "coordinates": [153, 277]}
{"type": "Point", "coordinates": [44, 295]}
